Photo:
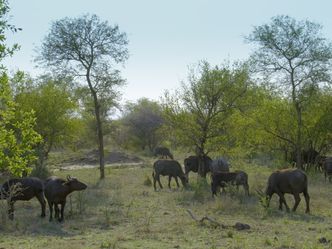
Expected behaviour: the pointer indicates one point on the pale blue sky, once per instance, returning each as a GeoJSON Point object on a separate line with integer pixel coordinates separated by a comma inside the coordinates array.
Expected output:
{"type": "Point", "coordinates": [165, 37]}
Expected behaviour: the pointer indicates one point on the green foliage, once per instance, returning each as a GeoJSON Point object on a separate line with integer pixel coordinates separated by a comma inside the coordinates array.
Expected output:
{"type": "Point", "coordinates": [4, 26]}
{"type": "Point", "coordinates": [17, 135]}
{"type": "Point", "coordinates": [295, 60]}
{"type": "Point", "coordinates": [197, 114]}
{"type": "Point", "coordinates": [54, 109]}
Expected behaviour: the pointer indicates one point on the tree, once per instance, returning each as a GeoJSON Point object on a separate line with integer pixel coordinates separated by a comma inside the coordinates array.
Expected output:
{"type": "Point", "coordinates": [18, 138]}
{"type": "Point", "coordinates": [87, 47]}
{"type": "Point", "coordinates": [198, 112]}
{"type": "Point", "coordinates": [144, 119]}
{"type": "Point", "coordinates": [54, 109]}
{"type": "Point", "coordinates": [5, 50]}
{"type": "Point", "coordinates": [17, 135]}
{"type": "Point", "coordinates": [296, 59]}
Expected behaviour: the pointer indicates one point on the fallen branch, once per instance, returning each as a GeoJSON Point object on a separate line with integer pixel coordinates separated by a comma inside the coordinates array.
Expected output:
{"type": "Point", "coordinates": [201, 221]}
{"type": "Point", "coordinates": [237, 226]}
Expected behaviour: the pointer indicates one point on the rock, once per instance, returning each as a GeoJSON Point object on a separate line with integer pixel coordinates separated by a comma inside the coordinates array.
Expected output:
{"type": "Point", "coordinates": [323, 240]}
{"type": "Point", "coordinates": [241, 226]}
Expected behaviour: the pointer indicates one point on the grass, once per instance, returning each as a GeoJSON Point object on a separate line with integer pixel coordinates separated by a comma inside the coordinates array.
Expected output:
{"type": "Point", "coordinates": [123, 211]}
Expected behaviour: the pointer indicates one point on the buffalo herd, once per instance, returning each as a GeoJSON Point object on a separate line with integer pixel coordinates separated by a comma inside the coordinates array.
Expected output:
{"type": "Point", "coordinates": [290, 181]}
{"type": "Point", "coordinates": [55, 189]}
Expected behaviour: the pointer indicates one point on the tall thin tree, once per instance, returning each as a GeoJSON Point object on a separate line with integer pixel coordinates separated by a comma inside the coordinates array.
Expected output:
{"type": "Point", "coordinates": [86, 47]}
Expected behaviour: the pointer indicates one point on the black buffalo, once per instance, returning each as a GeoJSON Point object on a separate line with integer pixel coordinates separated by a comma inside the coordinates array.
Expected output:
{"type": "Point", "coordinates": [56, 191]}
{"type": "Point", "coordinates": [23, 189]}
{"type": "Point", "coordinates": [327, 166]}
{"type": "Point", "coordinates": [170, 168]}
{"type": "Point", "coordinates": [191, 163]}
{"type": "Point", "coordinates": [291, 181]}
{"type": "Point", "coordinates": [163, 152]}
{"type": "Point", "coordinates": [219, 165]}
{"type": "Point", "coordinates": [221, 179]}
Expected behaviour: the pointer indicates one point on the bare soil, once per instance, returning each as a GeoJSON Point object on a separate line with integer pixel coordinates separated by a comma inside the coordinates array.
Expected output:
{"type": "Point", "coordinates": [91, 159]}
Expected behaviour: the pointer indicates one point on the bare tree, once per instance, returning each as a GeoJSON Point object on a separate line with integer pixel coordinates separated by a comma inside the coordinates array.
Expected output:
{"type": "Point", "coordinates": [86, 47]}
{"type": "Point", "coordinates": [144, 120]}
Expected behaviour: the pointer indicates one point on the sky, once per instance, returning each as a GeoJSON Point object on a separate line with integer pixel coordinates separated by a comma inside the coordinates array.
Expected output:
{"type": "Point", "coordinates": [166, 37]}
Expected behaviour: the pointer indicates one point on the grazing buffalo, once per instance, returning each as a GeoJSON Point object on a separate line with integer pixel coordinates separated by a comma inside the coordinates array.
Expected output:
{"type": "Point", "coordinates": [56, 191]}
{"type": "Point", "coordinates": [219, 165]}
{"type": "Point", "coordinates": [163, 152]}
{"type": "Point", "coordinates": [170, 168]}
{"type": "Point", "coordinates": [327, 166]}
{"type": "Point", "coordinates": [22, 189]}
{"type": "Point", "coordinates": [191, 163]}
{"type": "Point", "coordinates": [291, 181]}
{"type": "Point", "coordinates": [221, 179]}
{"type": "Point", "coordinates": [309, 157]}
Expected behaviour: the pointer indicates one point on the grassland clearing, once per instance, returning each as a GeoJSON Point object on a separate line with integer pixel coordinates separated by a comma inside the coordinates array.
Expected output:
{"type": "Point", "coordinates": [123, 211]}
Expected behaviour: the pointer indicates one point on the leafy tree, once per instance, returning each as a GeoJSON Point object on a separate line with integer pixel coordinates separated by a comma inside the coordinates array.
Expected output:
{"type": "Point", "coordinates": [86, 47]}
{"type": "Point", "coordinates": [295, 58]}
{"type": "Point", "coordinates": [5, 50]}
{"type": "Point", "coordinates": [144, 120]}
{"type": "Point", "coordinates": [17, 135]}
{"type": "Point", "coordinates": [317, 121]}
{"type": "Point", "coordinates": [53, 106]}
{"type": "Point", "coordinates": [267, 125]}
{"type": "Point", "coordinates": [198, 112]}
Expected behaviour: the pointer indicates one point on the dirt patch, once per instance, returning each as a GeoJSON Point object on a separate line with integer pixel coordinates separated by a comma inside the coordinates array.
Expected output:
{"type": "Point", "coordinates": [113, 157]}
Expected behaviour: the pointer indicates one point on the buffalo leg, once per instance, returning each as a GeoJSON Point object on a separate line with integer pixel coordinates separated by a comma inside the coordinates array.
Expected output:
{"type": "Point", "coordinates": [63, 204]}
{"type": "Point", "coordinates": [297, 201]}
{"type": "Point", "coordinates": [56, 210]}
{"type": "Point", "coordinates": [50, 205]}
{"type": "Point", "coordinates": [213, 189]}
{"type": "Point", "coordinates": [246, 188]}
{"type": "Point", "coordinates": [282, 200]}
{"type": "Point", "coordinates": [169, 181]}
{"type": "Point", "coordinates": [177, 182]}
{"type": "Point", "coordinates": [42, 202]}
{"type": "Point", "coordinates": [154, 181]}
{"type": "Point", "coordinates": [158, 179]}
{"type": "Point", "coordinates": [307, 200]}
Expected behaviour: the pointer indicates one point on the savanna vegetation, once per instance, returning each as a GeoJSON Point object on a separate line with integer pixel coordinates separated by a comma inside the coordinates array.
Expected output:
{"type": "Point", "coordinates": [262, 114]}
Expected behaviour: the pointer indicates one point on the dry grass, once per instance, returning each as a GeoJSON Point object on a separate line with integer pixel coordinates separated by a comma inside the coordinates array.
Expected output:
{"type": "Point", "coordinates": [123, 211]}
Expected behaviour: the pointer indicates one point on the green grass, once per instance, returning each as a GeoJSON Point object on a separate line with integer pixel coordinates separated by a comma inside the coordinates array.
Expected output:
{"type": "Point", "coordinates": [123, 211]}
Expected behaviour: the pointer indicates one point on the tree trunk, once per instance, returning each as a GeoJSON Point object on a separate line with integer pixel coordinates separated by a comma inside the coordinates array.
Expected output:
{"type": "Point", "coordinates": [99, 128]}
{"type": "Point", "coordinates": [201, 167]}
{"type": "Point", "coordinates": [298, 110]}
{"type": "Point", "coordinates": [299, 163]}
{"type": "Point", "coordinates": [100, 137]}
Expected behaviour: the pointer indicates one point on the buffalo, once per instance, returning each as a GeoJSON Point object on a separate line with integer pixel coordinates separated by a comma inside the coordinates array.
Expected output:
{"type": "Point", "coordinates": [170, 168]}
{"type": "Point", "coordinates": [291, 181]}
{"type": "Point", "coordinates": [219, 165]}
{"type": "Point", "coordinates": [327, 166]}
{"type": "Point", "coordinates": [56, 191]}
{"type": "Point", "coordinates": [22, 189]}
{"type": "Point", "coordinates": [163, 152]}
{"type": "Point", "coordinates": [220, 179]}
{"type": "Point", "coordinates": [191, 163]}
